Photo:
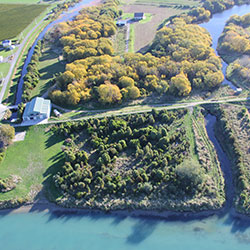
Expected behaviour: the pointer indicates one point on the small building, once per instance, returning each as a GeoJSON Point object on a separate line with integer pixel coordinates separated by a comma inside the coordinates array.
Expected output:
{"type": "Point", "coordinates": [37, 109]}
{"type": "Point", "coordinates": [139, 16]}
{"type": "Point", "coordinates": [57, 113]}
{"type": "Point", "coordinates": [1, 59]}
{"type": "Point", "coordinates": [238, 90]}
{"type": "Point", "coordinates": [121, 23]}
{"type": "Point", "coordinates": [12, 47]}
{"type": "Point", "coordinates": [6, 43]}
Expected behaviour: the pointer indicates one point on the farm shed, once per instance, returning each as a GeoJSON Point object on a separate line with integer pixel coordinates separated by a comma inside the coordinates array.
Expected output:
{"type": "Point", "coordinates": [139, 16]}
{"type": "Point", "coordinates": [37, 109]}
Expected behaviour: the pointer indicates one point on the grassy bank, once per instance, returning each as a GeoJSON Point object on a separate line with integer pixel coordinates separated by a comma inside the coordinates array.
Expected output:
{"type": "Point", "coordinates": [49, 65]}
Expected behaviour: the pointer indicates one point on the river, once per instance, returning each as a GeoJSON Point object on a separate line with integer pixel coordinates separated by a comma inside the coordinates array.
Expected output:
{"type": "Point", "coordinates": [65, 16]}
{"type": "Point", "coordinates": [48, 230]}
{"type": "Point", "coordinates": [215, 27]}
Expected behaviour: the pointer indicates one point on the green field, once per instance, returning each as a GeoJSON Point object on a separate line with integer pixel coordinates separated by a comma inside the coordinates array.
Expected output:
{"type": "Point", "coordinates": [15, 17]}
{"type": "Point", "coordinates": [4, 69]}
{"type": "Point", "coordinates": [48, 66]}
{"type": "Point", "coordinates": [33, 159]}
{"type": "Point", "coordinates": [25, 1]}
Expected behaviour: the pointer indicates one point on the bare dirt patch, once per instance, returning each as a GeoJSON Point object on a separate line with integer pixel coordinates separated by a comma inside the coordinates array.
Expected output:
{"type": "Point", "coordinates": [20, 136]}
{"type": "Point", "coordinates": [145, 32]}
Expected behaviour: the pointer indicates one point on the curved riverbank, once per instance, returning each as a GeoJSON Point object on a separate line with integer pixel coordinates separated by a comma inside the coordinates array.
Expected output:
{"type": "Point", "coordinates": [65, 16]}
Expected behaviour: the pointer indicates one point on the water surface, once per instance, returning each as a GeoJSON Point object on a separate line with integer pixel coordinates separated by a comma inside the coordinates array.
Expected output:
{"type": "Point", "coordinates": [39, 231]}
{"type": "Point", "coordinates": [216, 25]}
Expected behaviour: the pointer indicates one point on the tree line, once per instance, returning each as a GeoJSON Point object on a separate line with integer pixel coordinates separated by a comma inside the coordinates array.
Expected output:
{"type": "Point", "coordinates": [32, 77]}
{"type": "Point", "coordinates": [179, 60]}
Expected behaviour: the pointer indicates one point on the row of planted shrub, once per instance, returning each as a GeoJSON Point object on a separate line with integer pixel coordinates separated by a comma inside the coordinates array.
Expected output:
{"type": "Point", "coordinates": [31, 79]}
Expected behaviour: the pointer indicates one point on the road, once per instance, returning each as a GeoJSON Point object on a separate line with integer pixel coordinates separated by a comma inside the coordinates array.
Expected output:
{"type": "Point", "coordinates": [16, 56]}
{"type": "Point", "coordinates": [86, 114]}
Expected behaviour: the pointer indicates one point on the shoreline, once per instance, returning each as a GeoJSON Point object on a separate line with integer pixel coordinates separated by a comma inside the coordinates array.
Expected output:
{"type": "Point", "coordinates": [51, 208]}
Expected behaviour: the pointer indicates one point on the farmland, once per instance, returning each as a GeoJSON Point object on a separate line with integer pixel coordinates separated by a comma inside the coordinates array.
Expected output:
{"type": "Point", "coordinates": [170, 3]}
{"type": "Point", "coordinates": [145, 31]}
{"type": "Point", "coordinates": [24, 1]}
{"type": "Point", "coordinates": [15, 17]}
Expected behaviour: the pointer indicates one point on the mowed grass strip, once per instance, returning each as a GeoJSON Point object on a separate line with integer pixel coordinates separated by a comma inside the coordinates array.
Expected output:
{"type": "Point", "coordinates": [49, 65]}
{"type": "Point", "coordinates": [15, 17]}
{"type": "Point", "coordinates": [35, 160]}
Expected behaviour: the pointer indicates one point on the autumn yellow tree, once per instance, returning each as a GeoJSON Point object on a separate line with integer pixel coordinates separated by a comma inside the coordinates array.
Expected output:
{"type": "Point", "coordinates": [109, 93]}
{"type": "Point", "coordinates": [180, 85]}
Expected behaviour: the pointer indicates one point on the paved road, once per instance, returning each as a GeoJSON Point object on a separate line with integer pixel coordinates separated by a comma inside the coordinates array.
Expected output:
{"type": "Point", "coordinates": [16, 56]}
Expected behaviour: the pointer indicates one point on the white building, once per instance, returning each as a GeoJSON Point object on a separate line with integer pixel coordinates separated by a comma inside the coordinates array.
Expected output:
{"type": "Point", "coordinates": [6, 43]}
{"type": "Point", "coordinates": [37, 109]}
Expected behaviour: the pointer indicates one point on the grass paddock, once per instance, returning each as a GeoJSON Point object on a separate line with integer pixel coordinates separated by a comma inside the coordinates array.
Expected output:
{"type": "Point", "coordinates": [35, 160]}
{"type": "Point", "coordinates": [14, 18]}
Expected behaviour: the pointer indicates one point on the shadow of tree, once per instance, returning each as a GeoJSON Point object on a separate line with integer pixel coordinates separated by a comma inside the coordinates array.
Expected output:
{"type": "Point", "coordinates": [141, 231]}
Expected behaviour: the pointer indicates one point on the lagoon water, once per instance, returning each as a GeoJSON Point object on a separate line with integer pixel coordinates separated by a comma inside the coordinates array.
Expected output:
{"type": "Point", "coordinates": [40, 231]}
{"type": "Point", "coordinates": [50, 231]}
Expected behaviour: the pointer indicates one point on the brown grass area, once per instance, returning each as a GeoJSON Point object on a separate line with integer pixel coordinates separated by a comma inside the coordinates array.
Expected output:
{"type": "Point", "coordinates": [145, 33]}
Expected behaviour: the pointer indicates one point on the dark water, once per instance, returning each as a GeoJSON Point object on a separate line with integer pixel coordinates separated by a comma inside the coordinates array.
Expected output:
{"type": "Point", "coordinates": [224, 161]}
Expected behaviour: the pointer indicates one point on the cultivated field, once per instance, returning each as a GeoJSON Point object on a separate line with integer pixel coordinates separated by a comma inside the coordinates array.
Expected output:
{"type": "Point", "coordinates": [187, 3]}
{"type": "Point", "coordinates": [27, 1]}
{"type": "Point", "coordinates": [15, 17]}
{"type": "Point", "coordinates": [145, 32]}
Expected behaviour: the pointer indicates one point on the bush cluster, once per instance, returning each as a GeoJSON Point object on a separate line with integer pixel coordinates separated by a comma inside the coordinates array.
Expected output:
{"type": "Point", "coordinates": [133, 156]}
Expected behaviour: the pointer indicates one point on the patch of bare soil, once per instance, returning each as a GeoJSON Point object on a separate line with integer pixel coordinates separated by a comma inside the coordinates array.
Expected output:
{"type": "Point", "coordinates": [145, 32]}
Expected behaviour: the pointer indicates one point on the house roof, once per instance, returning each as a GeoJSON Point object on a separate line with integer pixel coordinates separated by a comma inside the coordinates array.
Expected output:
{"type": "Point", "coordinates": [37, 105]}
{"type": "Point", "coordinates": [121, 22]}
{"type": "Point", "coordinates": [7, 41]}
{"type": "Point", "coordinates": [139, 14]}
